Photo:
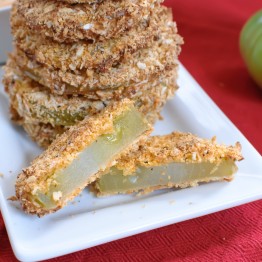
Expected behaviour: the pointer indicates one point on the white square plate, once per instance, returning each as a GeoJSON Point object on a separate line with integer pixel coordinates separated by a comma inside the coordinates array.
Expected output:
{"type": "Point", "coordinates": [89, 221]}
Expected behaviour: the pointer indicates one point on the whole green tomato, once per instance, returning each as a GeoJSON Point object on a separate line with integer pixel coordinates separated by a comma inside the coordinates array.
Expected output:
{"type": "Point", "coordinates": [251, 46]}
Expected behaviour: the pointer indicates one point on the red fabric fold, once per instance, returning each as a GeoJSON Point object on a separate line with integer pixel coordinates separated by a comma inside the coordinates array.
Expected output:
{"type": "Point", "coordinates": [211, 54]}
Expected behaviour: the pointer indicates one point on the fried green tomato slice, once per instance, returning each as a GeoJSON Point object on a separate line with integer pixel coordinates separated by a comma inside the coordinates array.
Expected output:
{"type": "Point", "coordinates": [144, 65]}
{"type": "Point", "coordinates": [78, 157]}
{"type": "Point", "coordinates": [176, 160]}
{"type": "Point", "coordinates": [85, 54]}
{"type": "Point", "coordinates": [64, 22]}
{"type": "Point", "coordinates": [34, 103]}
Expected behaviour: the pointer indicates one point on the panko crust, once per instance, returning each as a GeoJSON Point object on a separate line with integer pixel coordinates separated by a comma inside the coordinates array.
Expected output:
{"type": "Point", "coordinates": [65, 22]}
{"type": "Point", "coordinates": [150, 105]}
{"type": "Point", "coordinates": [35, 104]}
{"type": "Point", "coordinates": [83, 54]}
{"type": "Point", "coordinates": [142, 66]}
{"type": "Point", "coordinates": [82, 1]}
{"type": "Point", "coordinates": [63, 151]}
{"type": "Point", "coordinates": [177, 147]}
{"type": "Point", "coordinates": [43, 134]}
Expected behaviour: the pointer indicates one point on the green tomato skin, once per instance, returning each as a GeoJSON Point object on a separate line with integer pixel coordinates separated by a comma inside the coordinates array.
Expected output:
{"type": "Point", "coordinates": [251, 46]}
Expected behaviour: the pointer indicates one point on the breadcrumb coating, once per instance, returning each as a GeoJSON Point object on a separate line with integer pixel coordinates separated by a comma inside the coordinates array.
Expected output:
{"type": "Point", "coordinates": [13, 72]}
{"type": "Point", "coordinates": [35, 104]}
{"type": "Point", "coordinates": [43, 134]}
{"type": "Point", "coordinates": [70, 23]}
{"type": "Point", "coordinates": [82, 1]}
{"type": "Point", "coordinates": [63, 151]}
{"type": "Point", "coordinates": [150, 105]}
{"type": "Point", "coordinates": [177, 147]}
{"type": "Point", "coordinates": [85, 54]}
{"type": "Point", "coordinates": [141, 67]}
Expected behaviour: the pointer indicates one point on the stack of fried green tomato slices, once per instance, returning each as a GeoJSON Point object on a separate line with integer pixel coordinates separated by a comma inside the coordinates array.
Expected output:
{"type": "Point", "coordinates": [74, 58]}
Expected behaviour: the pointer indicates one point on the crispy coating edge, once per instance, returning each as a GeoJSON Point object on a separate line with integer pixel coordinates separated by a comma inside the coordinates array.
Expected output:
{"type": "Point", "coordinates": [145, 64]}
{"type": "Point", "coordinates": [63, 151]}
{"type": "Point", "coordinates": [81, 1]}
{"type": "Point", "coordinates": [13, 72]}
{"type": "Point", "coordinates": [84, 54]}
{"type": "Point", "coordinates": [64, 22]}
{"type": "Point", "coordinates": [175, 147]}
{"type": "Point", "coordinates": [42, 134]}
{"type": "Point", "coordinates": [35, 104]}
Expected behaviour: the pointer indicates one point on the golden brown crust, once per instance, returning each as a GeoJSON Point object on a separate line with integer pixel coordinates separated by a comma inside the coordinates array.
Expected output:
{"type": "Point", "coordinates": [83, 55]}
{"type": "Point", "coordinates": [81, 1]}
{"type": "Point", "coordinates": [63, 151]}
{"type": "Point", "coordinates": [35, 104]}
{"type": "Point", "coordinates": [144, 65]}
{"type": "Point", "coordinates": [43, 134]}
{"type": "Point", "coordinates": [177, 147]}
{"type": "Point", "coordinates": [14, 116]}
{"type": "Point", "coordinates": [69, 23]}
{"type": "Point", "coordinates": [13, 73]}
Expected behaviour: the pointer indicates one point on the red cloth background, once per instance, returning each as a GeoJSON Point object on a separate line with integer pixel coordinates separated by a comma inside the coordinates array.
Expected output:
{"type": "Point", "coordinates": [211, 31]}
